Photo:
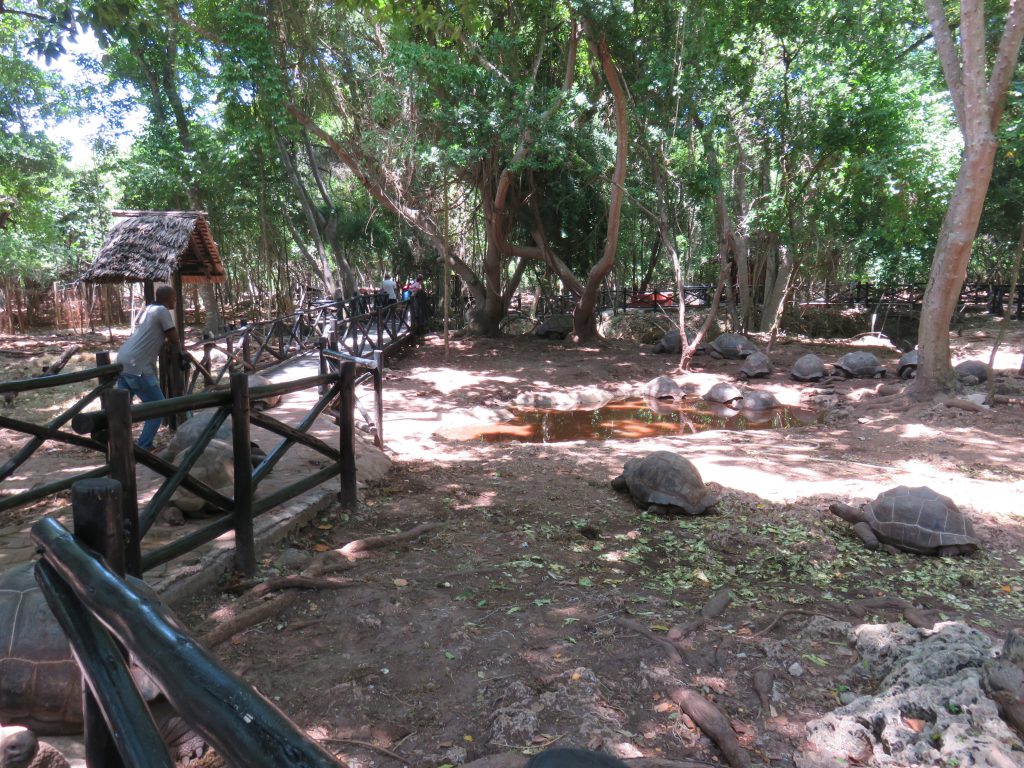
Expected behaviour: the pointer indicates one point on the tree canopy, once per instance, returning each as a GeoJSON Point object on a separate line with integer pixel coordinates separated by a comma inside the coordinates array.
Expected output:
{"type": "Point", "coordinates": [558, 146]}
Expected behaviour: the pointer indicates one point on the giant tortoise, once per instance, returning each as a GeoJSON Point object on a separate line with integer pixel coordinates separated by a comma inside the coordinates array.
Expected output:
{"type": "Point", "coordinates": [554, 327]}
{"type": "Point", "coordinates": [907, 368]}
{"type": "Point", "coordinates": [671, 343]}
{"type": "Point", "coordinates": [723, 392]}
{"type": "Point", "coordinates": [665, 482]}
{"type": "Point", "coordinates": [757, 366]}
{"type": "Point", "coordinates": [859, 365]}
{"type": "Point", "coordinates": [917, 520]}
{"type": "Point", "coordinates": [971, 372]}
{"type": "Point", "coordinates": [759, 400]}
{"type": "Point", "coordinates": [40, 682]}
{"type": "Point", "coordinates": [731, 346]}
{"type": "Point", "coordinates": [809, 367]}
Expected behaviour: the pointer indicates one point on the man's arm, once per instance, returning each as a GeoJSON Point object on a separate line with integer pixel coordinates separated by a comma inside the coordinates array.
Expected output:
{"type": "Point", "coordinates": [171, 337]}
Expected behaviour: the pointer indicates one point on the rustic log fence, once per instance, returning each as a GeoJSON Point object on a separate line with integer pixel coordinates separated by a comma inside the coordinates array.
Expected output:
{"type": "Point", "coordinates": [105, 375]}
{"type": "Point", "coordinates": [106, 618]}
{"type": "Point", "coordinates": [237, 511]}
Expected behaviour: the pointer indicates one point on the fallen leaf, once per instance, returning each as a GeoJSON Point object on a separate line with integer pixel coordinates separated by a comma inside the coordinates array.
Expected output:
{"type": "Point", "coordinates": [400, 582]}
{"type": "Point", "coordinates": [322, 547]}
{"type": "Point", "coordinates": [917, 726]}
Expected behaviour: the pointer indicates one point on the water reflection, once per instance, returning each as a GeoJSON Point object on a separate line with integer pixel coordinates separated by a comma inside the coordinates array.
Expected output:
{"type": "Point", "coordinates": [632, 420]}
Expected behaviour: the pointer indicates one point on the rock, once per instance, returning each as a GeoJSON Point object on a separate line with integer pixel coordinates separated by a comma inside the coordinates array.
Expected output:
{"type": "Point", "coordinates": [293, 559]}
{"type": "Point", "coordinates": [847, 697]}
{"type": "Point", "coordinates": [795, 669]}
{"type": "Point", "coordinates": [189, 431]}
{"type": "Point", "coordinates": [930, 708]}
{"type": "Point", "coordinates": [216, 468]}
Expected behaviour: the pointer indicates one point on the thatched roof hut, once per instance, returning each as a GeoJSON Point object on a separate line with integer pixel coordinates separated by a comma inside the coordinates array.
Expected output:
{"type": "Point", "coordinates": [154, 245]}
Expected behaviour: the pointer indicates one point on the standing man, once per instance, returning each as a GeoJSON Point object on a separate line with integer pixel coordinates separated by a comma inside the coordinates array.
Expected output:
{"type": "Point", "coordinates": [389, 287]}
{"type": "Point", "coordinates": [138, 356]}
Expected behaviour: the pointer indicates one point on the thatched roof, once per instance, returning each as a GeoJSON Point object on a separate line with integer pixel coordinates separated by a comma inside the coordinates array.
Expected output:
{"type": "Point", "coordinates": [153, 245]}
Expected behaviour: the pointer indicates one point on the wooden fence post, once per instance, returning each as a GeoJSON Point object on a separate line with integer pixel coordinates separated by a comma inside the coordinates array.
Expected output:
{"type": "Point", "coordinates": [96, 511]}
{"type": "Point", "coordinates": [321, 345]}
{"type": "Point", "coordinates": [245, 545]}
{"type": "Point", "coordinates": [246, 345]}
{"type": "Point", "coordinates": [378, 397]}
{"type": "Point", "coordinates": [117, 403]}
{"type": "Point", "coordinates": [347, 423]}
{"type": "Point", "coordinates": [380, 326]}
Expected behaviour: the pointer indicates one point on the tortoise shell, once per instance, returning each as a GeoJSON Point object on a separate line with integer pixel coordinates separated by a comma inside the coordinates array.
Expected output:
{"type": "Point", "coordinates": [972, 369]}
{"type": "Point", "coordinates": [672, 344]}
{"type": "Point", "coordinates": [757, 365]}
{"type": "Point", "coordinates": [808, 368]}
{"type": "Point", "coordinates": [665, 482]}
{"type": "Point", "coordinates": [919, 520]}
{"type": "Point", "coordinates": [757, 400]}
{"type": "Point", "coordinates": [908, 364]}
{"type": "Point", "coordinates": [554, 327]}
{"type": "Point", "coordinates": [40, 683]}
{"type": "Point", "coordinates": [732, 346]}
{"type": "Point", "coordinates": [859, 364]}
{"type": "Point", "coordinates": [722, 392]}
{"type": "Point", "coordinates": [663, 388]}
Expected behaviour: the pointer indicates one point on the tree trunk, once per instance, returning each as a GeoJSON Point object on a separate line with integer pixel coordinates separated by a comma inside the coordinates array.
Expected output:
{"type": "Point", "coordinates": [949, 268]}
{"type": "Point", "coordinates": [583, 321]}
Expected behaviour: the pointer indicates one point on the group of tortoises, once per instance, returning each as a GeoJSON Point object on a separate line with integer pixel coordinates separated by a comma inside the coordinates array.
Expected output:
{"type": "Point", "coordinates": [916, 520]}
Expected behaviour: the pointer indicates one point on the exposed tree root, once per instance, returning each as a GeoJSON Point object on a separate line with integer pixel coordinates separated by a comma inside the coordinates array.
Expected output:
{"type": "Point", "coordinates": [670, 648]}
{"type": "Point", "coordinates": [248, 618]}
{"type": "Point", "coordinates": [378, 542]}
{"type": "Point", "coordinates": [368, 745]}
{"type": "Point", "coordinates": [517, 760]}
{"type": "Point", "coordinates": [764, 679]}
{"type": "Point", "coordinates": [714, 723]}
{"type": "Point", "coordinates": [777, 619]}
{"type": "Point", "coordinates": [916, 617]}
{"type": "Point", "coordinates": [712, 609]}
{"type": "Point", "coordinates": [299, 581]}
{"type": "Point", "coordinates": [964, 405]}
{"type": "Point", "coordinates": [1007, 400]}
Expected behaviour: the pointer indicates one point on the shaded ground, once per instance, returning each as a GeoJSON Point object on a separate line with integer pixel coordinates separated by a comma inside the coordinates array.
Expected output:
{"type": "Point", "coordinates": [507, 628]}
{"type": "Point", "coordinates": [512, 626]}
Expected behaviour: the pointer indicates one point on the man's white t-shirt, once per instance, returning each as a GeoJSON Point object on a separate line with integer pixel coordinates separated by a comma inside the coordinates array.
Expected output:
{"type": "Point", "coordinates": [138, 355]}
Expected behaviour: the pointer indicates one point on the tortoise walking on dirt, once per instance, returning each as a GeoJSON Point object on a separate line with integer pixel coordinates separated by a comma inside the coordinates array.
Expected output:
{"type": "Point", "coordinates": [917, 520]}
{"type": "Point", "coordinates": [665, 482]}
{"type": "Point", "coordinates": [859, 365]}
{"type": "Point", "coordinates": [732, 346]}
{"type": "Point", "coordinates": [810, 367]}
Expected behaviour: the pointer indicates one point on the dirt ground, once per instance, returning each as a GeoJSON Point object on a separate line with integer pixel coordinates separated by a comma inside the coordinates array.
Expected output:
{"type": "Point", "coordinates": [538, 611]}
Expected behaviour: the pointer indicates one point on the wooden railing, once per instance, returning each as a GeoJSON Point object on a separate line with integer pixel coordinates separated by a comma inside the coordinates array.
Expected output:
{"type": "Point", "coordinates": [107, 619]}
{"type": "Point", "coordinates": [105, 375]}
{"type": "Point", "coordinates": [238, 511]}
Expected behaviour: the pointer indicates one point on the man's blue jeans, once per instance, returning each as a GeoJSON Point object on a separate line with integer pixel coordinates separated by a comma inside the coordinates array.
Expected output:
{"type": "Point", "coordinates": [147, 389]}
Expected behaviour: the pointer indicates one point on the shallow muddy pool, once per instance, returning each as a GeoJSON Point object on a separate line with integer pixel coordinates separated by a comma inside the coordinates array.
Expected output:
{"type": "Point", "coordinates": [630, 420]}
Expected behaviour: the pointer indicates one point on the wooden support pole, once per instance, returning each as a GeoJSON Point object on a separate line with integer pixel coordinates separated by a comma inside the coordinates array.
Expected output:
{"type": "Point", "coordinates": [347, 423]}
{"type": "Point", "coordinates": [96, 510]}
{"type": "Point", "coordinates": [247, 344]}
{"type": "Point", "coordinates": [245, 545]}
{"type": "Point", "coordinates": [378, 398]}
{"type": "Point", "coordinates": [321, 345]}
{"type": "Point", "coordinates": [117, 404]}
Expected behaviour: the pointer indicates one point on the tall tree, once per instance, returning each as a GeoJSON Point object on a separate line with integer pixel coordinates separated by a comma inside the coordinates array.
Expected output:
{"type": "Point", "coordinates": [978, 104]}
